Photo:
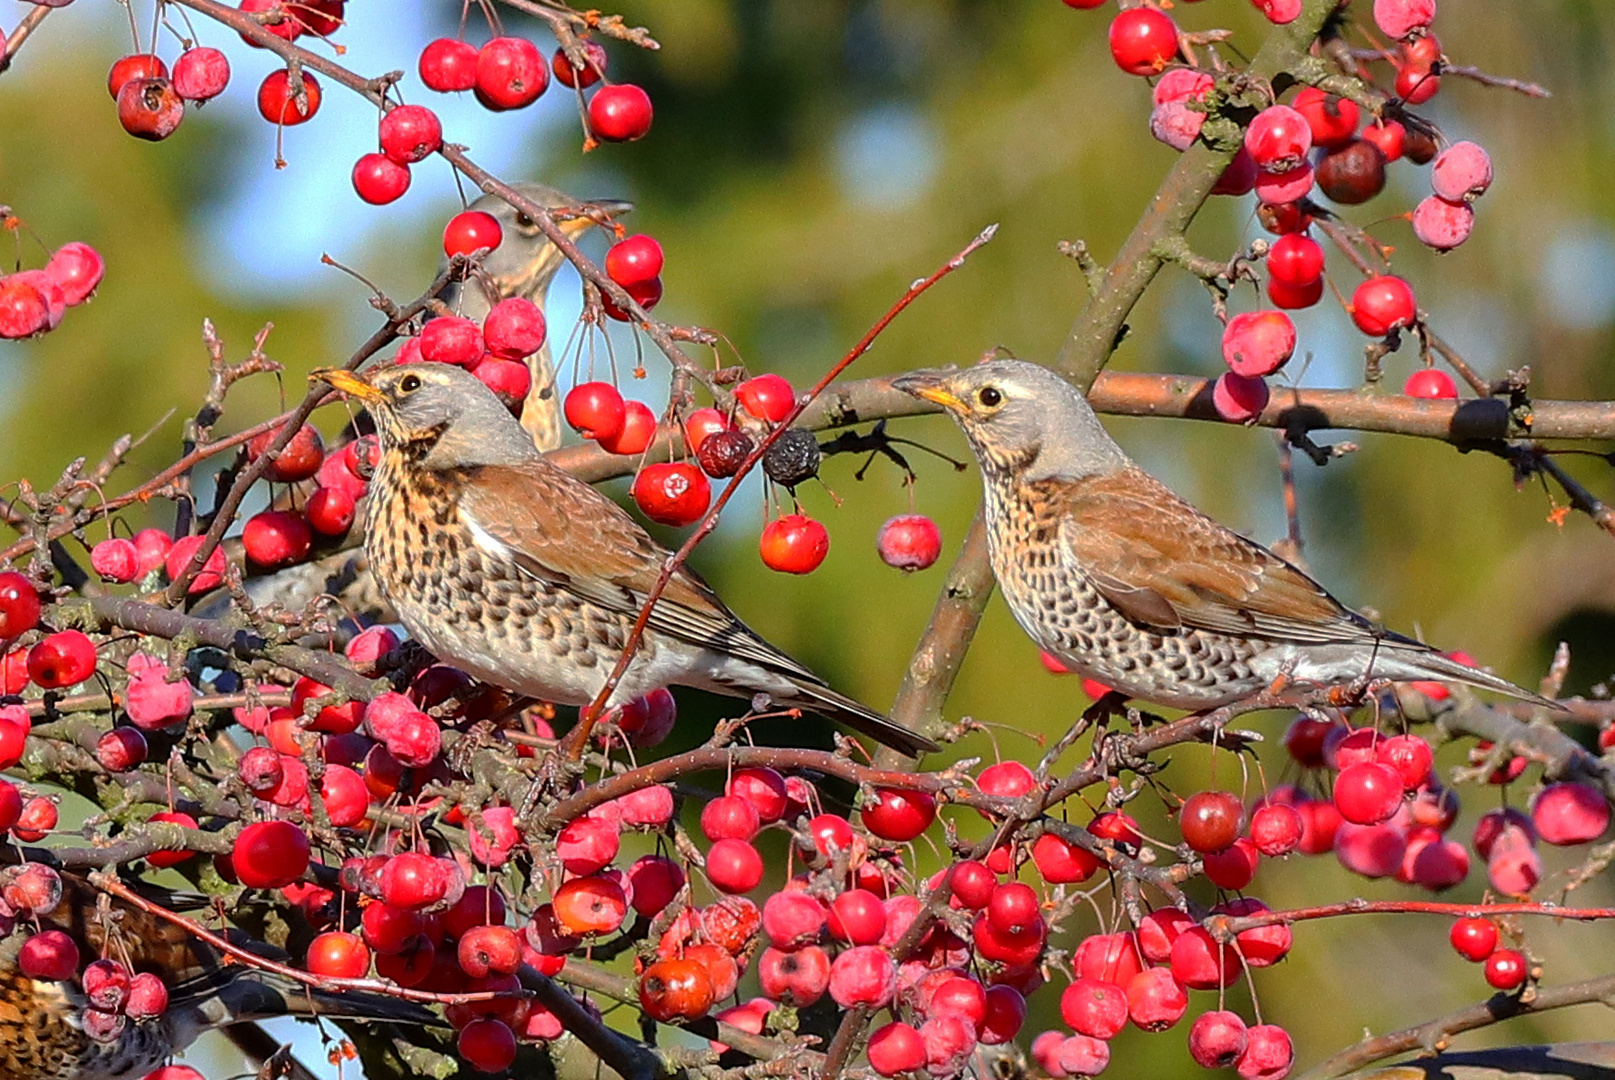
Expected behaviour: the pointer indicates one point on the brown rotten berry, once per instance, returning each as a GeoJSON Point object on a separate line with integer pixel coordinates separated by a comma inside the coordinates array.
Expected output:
{"type": "Point", "coordinates": [1353, 174]}
{"type": "Point", "coordinates": [793, 459]}
{"type": "Point", "coordinates": [722, 453]}
{"type": "Point", "coordinates": [150, 108]}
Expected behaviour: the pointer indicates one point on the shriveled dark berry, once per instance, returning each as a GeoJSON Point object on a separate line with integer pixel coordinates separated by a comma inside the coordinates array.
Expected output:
{"type": "Point", "coordinates": [793, 459]}
{"type": "Point", "coordinates": [722, 453]}
{"type": "Point", "coordinates": [1353, 174]}
{"type": "Point", "coordinates": [1419, 146]}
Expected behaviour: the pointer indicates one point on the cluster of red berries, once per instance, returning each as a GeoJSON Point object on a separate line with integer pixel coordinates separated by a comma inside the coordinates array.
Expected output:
{"type": "Point", "coordinates": [113, 994]}
{"type": "Point", "coordinates": [494, 351]}
{"type": "Point", "coordinates": [1317, 141]}
{"type": "Point", "coordinates": [34, 301]}
{"type": "Point", "coordinates": [510, 73]}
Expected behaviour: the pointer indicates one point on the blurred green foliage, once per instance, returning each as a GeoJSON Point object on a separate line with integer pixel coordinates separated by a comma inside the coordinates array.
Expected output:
{"type": "Point", "coordinates": [807, 162]}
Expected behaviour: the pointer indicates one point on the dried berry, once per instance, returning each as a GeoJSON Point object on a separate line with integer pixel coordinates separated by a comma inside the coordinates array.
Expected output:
{"type": "Point", "coordinates": [793, 459]}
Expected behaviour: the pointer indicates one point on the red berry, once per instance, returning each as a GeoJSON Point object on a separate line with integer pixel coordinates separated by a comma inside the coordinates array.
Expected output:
{"type": "Point", "coordinates": [634, 260]}
{"type": "Point", "coordinates": [147, 999]}
{"type": "Point", "coordinates": [1409, 755]}
{"type": "Point", "coordinates": [655, 881]}
{"type": "Point", "coordinates": [37, 819]}
{"type": "Point", "coordinates": [279, 102]}
{"type": "Point", "coordinates": [201, 74]}
{"type": "Point", "coordinates": [450, 339]}
{"type": "Point", "coordinates": [896, 1049]}
{"type": "Point", "coordinates": [863, 975]}
{"type": "Point", "coordinates": [1276, 830]}
{"type": "Point", "coordinates": [511, 73]}
{"type": "Point", "coordinates": [330, 511]}
{"type": "Point", "coordinates": [582, 78]}
{"type": "Point", "coordinates": [489, 949]}
{"type": "Point", "coordinates": [620, 113]}
{"type": "Point", "coordinates": [510, 380]}
{"type": "Point", "coordinates": [1211, 820]}
{"type": "Point", "coordinates": [1234, 867]}
{"type": "Point", "coordinates": [488, 1045]}
{"type": "Point", "coordinates": [1094, 1007]}
{"type": "Point", "coordinates": [1295, 260]}
{"type": "Point", "coordinates": [1143, 41]}
{"type": "Point", "coordinates": [1292, 297]}
{"type": "Point", "coordinates": [77, 268]}
{"type": "Point", "coordinates": [1278, 139]}
{"type": "Point", "coordinates": [675, 989]}
{"type": "Point", "coordinates": [1284, 218]}
{"type": "Point", "coordinates": [1268, 1054]}
{"type": "Point", "coordinates": [1237, 399]}
{"type": "Point", "coordinates": [150, 109]}
{"type": "Point", "coordinates": [448, 64]}
{"type": "Point", "coordinates": [637, 433]}
{"type": "Point", "coordinates": [299, 459]}
{"type": "Point", "coordinates": [49, 955]}
{"type": "Point", "coordinates": [1382, 304]}
{"type": "Point", "coordinates": [1258, 343]}
{"type": "Point", "coordinates": [1368, 793]}
{"type": "Point", "coordinates": [729, 817]}
{"type": "Point", "coordinates": [1062, 862]}
{"type": "Point", "coordinates": [172, 856]}
{"type": "Point", "coordinates": [701, 425]}
{"type": "Point", "coordinates": [1388, 136]}
{"type": "Point", "coordinates": [136, 66]}
{"type": "Point", "coordinates": [1217, 1039]}
{"type": "Point", "coordinates": [1333, 119]}
{"type": "Point", "coordinates": [1570, 813]}
{"type": "Point", "coordinates": [793, 544]}
{"type": "Point", "coordinates": [339, 955]}
{"type": "Point", "coordinates": [276, 538]}
{"type": "Point", "coordinates": [647, 294]}
{"type": "Point", "coordinates": [763, 788]}
{"type": "Point", "coordinates": [1506, 969]}
{"type": "Point", "coordinates": [514, 329]}
{"type": "Point", "coordinates": [1155, 999]}
{"type": "Point", "coordinates": [1200, 962]}
{"type": "Point", "coordinates": [898, 815]}
{"type": "Point", "coordinates": [269, 854]}
{"type": "Point", "coordinates": [672, 493]}
{"type": "Point", "coordinates": [65, 658]}
{"type": "Point", "coordinates": [596, 410]}
{"type": "Point", "coordinates": [767, 397]}
{"type": "Point", "coordinates": [287, 26]}
{"type": "Point", "coordinates": [1239, 177]}
{"type": "Point", "coordinates": [121, 749]}
{"type": "Point", "coordinates": [19, 605]}
{"type": "Point", "coordinates": [1279, 12]}
{"type": "Point", "coordinates": [470, 231]}
{"type": "Point", "coordinates": [1430, 383]}
{"type": "Point", "coordinates": [857, 917]}
{"type": "Point", "coordinates": [831, 833]}
{"type": "Point", "coordinates": [24, 310]}
{"type": "Point", "coordinates": [410, 133]}
{"type": "Point", "coordinates": [1474, 939]}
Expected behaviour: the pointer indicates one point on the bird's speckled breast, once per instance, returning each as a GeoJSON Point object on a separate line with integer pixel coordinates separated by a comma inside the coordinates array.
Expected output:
{"type": "Point", "coordinates": [472, 607]}
{"type": "Point", "coordinates": [1059, 607]}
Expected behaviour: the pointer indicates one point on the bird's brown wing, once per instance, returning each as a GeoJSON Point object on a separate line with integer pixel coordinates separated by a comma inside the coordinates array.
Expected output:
{"type": "Point", "coordinates": [561, 530]}
{"type": "Point", "coordinates": [1165, 565]}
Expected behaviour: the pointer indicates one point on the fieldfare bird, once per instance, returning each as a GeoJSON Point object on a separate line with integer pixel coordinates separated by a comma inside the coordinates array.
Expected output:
{"type": "Point", "coordinates": [44, 1033]}
{"type": "Point", "coordinates": [1126, 583]}
{"type": "Point", "coordinates": [505, 566]}
{"type": "Point", "coordinates": [523, 265]}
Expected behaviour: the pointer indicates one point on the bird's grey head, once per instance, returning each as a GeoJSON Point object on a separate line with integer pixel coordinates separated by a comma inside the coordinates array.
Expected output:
{"type": "Point", "coordinates": [1021, 419]}
{"type": "Point", "coordinates": [525, 262]}
{"type": "Point", "coordinates": [440, 414]}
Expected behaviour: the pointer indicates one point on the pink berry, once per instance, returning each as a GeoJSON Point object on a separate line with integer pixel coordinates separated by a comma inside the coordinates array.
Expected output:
{"type": "Point", "coordinates": [1442, 225]}
{"type": "Point", "coordinates": [511, 73]}
{"type": "Point", "coordinates": [1279, 12]}
{"type": "Point", "coordinates": [1276, 189]}
{"type": "Point", "coordinates": [1237, 399]}
{"type": "Point", "coordinates": [1217, 1039]}
{"type": "Point", "coordinates": [201, 74]}
{"type": "Point", "coordinates": [48, 955]}
{"type": "Point", "coordinates": [1399, 18]}
{"type": "Point", "coordinates": [514, 329]}
{"type": "Point", "coordinates": [863, 975]}
{"type": "Point", "coordinates": [1374, 851]}
{"type": "Point", "coordinates": [410, 133]}
{"type": "Point", "coordinates": [1570, 813]}
{"type": "Point", "coordinates": [1268, 1054]}
{"type": "Point", "coordinates": [450, 339]}
{"type": "Point", "coordinates": [896, 1049]}
{"type": "Point", "coordinates": [1461, 173]}
{"type": "Point", "coordinates": [909, 542]}
{"type": "Point", "coordinates": [24, 311]}
{"type": "Point", "coordinates": [116, 560]}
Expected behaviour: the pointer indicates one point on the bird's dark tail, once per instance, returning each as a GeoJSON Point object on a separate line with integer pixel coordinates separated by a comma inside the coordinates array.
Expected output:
{"type": "Point", "coordinates": [820, 699]}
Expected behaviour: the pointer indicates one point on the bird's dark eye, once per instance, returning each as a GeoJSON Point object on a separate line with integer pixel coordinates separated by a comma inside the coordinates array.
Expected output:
{"type": "Point", "coordinates": [989, 396]}
{"type": "Point", "coordinates": [409, 384]}
{"type": "Point", "coordinates": [523, 221]}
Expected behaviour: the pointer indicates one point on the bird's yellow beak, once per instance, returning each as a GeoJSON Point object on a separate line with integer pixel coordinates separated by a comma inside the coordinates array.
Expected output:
{"type": "Point", "coordinates": [931, 388]}
{"type": "Point", "coordinates": [347, 382]}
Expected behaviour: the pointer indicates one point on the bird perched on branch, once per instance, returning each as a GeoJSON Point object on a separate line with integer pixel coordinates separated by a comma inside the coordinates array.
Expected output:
{"type": "Point", "coordinates": [43, 1030]}
{"type": "Point", "coordinates": [525, 577]}
{"type": "Point", "coordinates": [1126, 583]}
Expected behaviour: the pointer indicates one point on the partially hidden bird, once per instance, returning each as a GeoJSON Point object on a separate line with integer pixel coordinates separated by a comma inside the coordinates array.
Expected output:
{"type": "Point", "coordinates": [43, 1033]}
{"type": "Point", "coordinates": [1121, 580]}
{"type": "Point", "coordinates": [509, 568]}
